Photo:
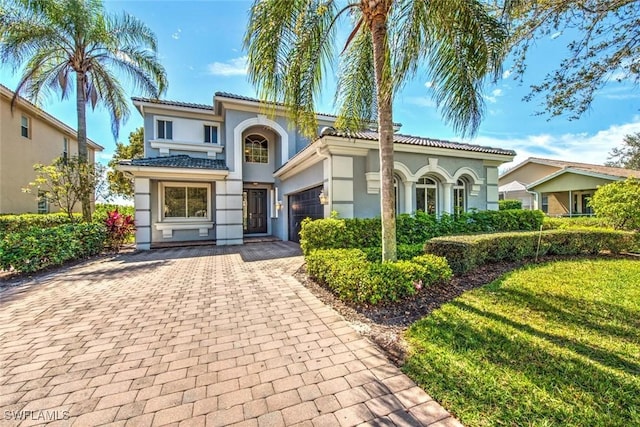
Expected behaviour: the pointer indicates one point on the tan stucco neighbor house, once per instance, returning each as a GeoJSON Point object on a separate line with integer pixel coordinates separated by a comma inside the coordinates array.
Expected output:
{"type": "Point", "coordinates": [29, 135]}
{"type": "Point", "coordinates": [557, 187]}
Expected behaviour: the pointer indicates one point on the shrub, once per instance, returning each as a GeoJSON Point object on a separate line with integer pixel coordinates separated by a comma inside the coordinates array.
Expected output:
{"type": "Point", "coordinates": [465, 253]}
{"type": "Point", "coordinates": [334, 233]}
{"type": "Point", "coordinates": [101, 212]}
{"type": "Point", "coordinates": [507, 204]}
{"type": "Point", "coordinates": [352, 278]}
{"type": "Point", "coordinates": [34, 248]}
{"type": "Point", "coordinates": [12, 223]}
{"type": "Point", "coordinates": [405, 252]}
{"type": "Point", "coordinates": [619, 204]}
{"type": "Point", "coordinates": [120, 228]}
{"type": "Point", "coordinates": [564, 223]}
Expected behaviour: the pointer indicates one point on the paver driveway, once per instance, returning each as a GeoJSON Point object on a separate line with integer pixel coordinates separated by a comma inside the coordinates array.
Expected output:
{"type": "Point", "coordinates": [194, 336]}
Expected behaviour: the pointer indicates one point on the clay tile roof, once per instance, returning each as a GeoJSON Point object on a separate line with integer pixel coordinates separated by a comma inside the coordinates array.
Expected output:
{"type": "Point", "coordinates": [426, 142]}
{"type": "Point", "coordinates": [182, 161]}
{"type": "Point", "coordinates": [174, 103]}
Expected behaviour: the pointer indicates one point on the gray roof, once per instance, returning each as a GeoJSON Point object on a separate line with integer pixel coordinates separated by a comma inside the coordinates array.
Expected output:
{"type": "Point", "coordinates": [174, 103]}
{"type": "Point", "coordinates": [422, 141]}
{"type": "Point", "coordinates": [182, 161]}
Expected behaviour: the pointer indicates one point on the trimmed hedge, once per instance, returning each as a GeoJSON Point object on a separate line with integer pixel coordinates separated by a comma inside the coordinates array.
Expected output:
{"type": "Point", "coordinates": [465, 253]}
{"type": "Point", "coordinates": [352, 278]}
{"type": "Point", "coordinates": [13, 223]}
{"type": "Point", "coordinates": [575, 222]}
{"type": "Point", "coordinates": [507, 204]}
{"type": "Point", "coordinates": [35, 248]}
{"type": "Point", "coordinates": [334, 233]}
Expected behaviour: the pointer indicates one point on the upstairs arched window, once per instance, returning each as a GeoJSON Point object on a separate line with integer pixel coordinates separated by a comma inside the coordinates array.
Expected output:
{"type": "Point", "coordinates": [256, 149]}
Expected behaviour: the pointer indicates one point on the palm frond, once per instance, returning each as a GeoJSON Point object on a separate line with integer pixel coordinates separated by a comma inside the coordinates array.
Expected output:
{"type": "Point", "coordinates": [112, 95]}
{"type": "Point", "coordinates": [356, 91]}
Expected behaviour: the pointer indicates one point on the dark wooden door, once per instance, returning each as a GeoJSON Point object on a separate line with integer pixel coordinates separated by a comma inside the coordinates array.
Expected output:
{"type": "Point", "coordinates": [256, 211]}
{"type": "Point", "coordinates": [305, 204]}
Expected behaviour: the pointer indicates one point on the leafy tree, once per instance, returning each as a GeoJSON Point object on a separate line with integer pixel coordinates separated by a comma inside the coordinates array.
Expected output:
{"type": "Point", "coordinates": [604, 47]}
{"type": "Point", "coordinates": [627, 156]}
{"type": "Point", "coordinates": [59, 42]}
{"type": "Point", "coordinates": [118, 183]}
{"type": "Point", "coordinates": [66, 182]}
{"type": "Point", "coordinates": [619, 203]}
{"type": "Point", "coordinates": [291, 43]}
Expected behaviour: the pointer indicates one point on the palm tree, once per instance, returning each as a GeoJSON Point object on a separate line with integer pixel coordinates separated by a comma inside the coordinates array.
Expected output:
{"type": "Point", "coordinates": [290, 45]}
{"type": "Point", "coordinates": [57, 42]}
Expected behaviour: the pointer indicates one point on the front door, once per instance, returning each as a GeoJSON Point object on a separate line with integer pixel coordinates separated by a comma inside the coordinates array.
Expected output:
{"type": "Point", "coordinates": [255, 212]}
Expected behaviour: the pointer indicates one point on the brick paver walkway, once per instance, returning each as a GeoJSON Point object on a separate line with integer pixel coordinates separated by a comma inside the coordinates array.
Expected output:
{"type": "Point", "coordinates": [195, 336]}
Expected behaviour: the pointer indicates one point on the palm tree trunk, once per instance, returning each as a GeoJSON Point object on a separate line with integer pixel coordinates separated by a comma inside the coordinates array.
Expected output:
{"type": "Point", "coordinates": [81, 108]}
{"type": "Point", "coordinates": [384, 96]}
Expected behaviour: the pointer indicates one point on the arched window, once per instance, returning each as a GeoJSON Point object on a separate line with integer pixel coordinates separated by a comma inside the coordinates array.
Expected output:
{"type": "Point", "coordinates": [256, 149]}
{"type": "Point", "coordinates": [459, 197]}
{"type": "Point", "coordinates": [427, 195]}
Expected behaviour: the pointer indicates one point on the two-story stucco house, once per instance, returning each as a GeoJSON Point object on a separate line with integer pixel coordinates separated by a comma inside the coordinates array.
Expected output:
{"type": "Point", "coordinates": [29, 135]}
{"type": "Point", "coordinates": [224, 172]}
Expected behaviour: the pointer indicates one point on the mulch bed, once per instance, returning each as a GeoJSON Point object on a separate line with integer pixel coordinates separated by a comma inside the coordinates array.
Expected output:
{"type": "Point", "coordinates": [385, 324]}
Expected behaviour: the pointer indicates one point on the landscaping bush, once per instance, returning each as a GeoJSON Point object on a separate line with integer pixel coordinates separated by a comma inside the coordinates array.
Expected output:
{"type": "Point", "coordinates": [507, 204]}
{"type": "Point", "coordinates": [352, 278]}
{"type": "Point", "coordinates": [12, 223]}
{"type": "Point", "coordinates": [334, 233]}
{"type": "Point", "coordinates": [405, 252]}
{"type": "Point", "coordinates": [34, 248]}
{"type": "Point", "coordinates": [564, 223]}
{"type": "Point", "coordinates": [465, 253]}
{"type": "Point", "coordinates": [120, 228]}
{"type": "Point", "coordinates": [101, 212]}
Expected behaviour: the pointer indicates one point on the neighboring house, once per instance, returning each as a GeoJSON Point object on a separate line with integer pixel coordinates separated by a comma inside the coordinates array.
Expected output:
{"type": "Point", "coordinates": [227, 171]}
{"type": "Point", "coordinates": [557, 187]}
{"type": "Point", "coordinates": [29, 135]}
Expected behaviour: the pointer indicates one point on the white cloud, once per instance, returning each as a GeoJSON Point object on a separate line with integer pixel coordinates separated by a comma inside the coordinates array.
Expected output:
{"type": "Point", "coordinates": [428, 84]}
{"type": "Point", "coordinates": [176, 35]}
{"type": "Point", "coordinates": [556, 35]}
{"type": "Point", "coordinates": [232, 67]}
{"type": "Point", "coordinates": [495, 94]}
{"type": "Point", "coordinates": [506, 74]}
{"type": "Point", "coordinates": [420, 101]}
{"type": "Point", "coordinates": [576, 147]}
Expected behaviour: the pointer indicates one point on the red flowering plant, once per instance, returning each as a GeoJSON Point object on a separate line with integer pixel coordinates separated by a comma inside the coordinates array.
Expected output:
{"type": "Point", "coordinates": [119, 229]}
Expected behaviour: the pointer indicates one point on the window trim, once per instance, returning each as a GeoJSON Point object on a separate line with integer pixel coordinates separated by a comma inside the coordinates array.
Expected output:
{"type": "Point", "coordinates": [244, 148]}
{"type": "Point", "coordinates": [460, 185]}
{"type": "Point", "coordinates": [28, 126]}
{"type": "Point", "coordinates": [424, 187]}
{"type": "Point", "coordinates": [217, 126]}
{"type": "Point", "coordinates": [65, 148]}
{"type": "Point", "coordinates": [157, 123]}
{"type": "Point", "coordinates": [161, 198]}
{"type": "Point", "coordinates": [42, 198]}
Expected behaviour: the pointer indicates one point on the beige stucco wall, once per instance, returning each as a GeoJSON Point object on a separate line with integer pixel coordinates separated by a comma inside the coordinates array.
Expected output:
{"type": "Point", "coordinates": [528, 173]}
{"type": "Point", "coordinates": [18, 155]}
{"type": "Point", "coordinates": [571, 182]}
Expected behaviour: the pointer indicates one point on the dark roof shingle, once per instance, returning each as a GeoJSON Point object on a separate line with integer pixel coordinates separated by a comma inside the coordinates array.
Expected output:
{"type": "Point", "coordinates": [181, 161]}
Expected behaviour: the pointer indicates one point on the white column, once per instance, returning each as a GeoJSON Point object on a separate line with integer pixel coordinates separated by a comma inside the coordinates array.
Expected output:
{"type": "Point", "coordinates": [408, 196]}
{"type": "Point", "coordinates": [142, 200]}
{"type": "Point", "coordinates": [447, 201]}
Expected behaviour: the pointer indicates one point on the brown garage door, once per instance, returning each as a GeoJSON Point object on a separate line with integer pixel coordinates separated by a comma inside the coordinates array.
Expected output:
{"type": "Point", "coordinates": [302, 205]}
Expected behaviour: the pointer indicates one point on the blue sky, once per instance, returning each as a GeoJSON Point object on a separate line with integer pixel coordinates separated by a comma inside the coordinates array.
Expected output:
{"type": "Point", "coordinates": [200, 45]}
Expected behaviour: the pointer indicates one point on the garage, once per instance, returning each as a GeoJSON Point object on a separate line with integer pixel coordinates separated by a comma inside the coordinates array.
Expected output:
{"type": "Point", "coordinates": [302, 205]}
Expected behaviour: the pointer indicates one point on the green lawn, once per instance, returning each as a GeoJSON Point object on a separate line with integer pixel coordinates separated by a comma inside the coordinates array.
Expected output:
{"type": "Point", "coordinates": [547, 345]}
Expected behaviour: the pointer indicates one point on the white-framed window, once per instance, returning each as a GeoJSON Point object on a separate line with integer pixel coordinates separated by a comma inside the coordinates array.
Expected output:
{"type": "Point", "coordinates": [427, 195]}
{"type": "Point", "coordinates": [256, 149]}
{"type": "Point", "coordinates": [164, 129]}
{"type": "Point", "coordinates": [65, 148]}
{"type": "Point", "coordinates": [210, 134]}
{"type": "Point", "coordinates": [43, 203]}
{"type": "Point", "coordinates": [185, 201]}
{"type": "Point", "coordinates": [25, 126]}
{"type": "Point", "coordinates": [544, 204]}
{"type": "Point", "coordinates": [459, 197]}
